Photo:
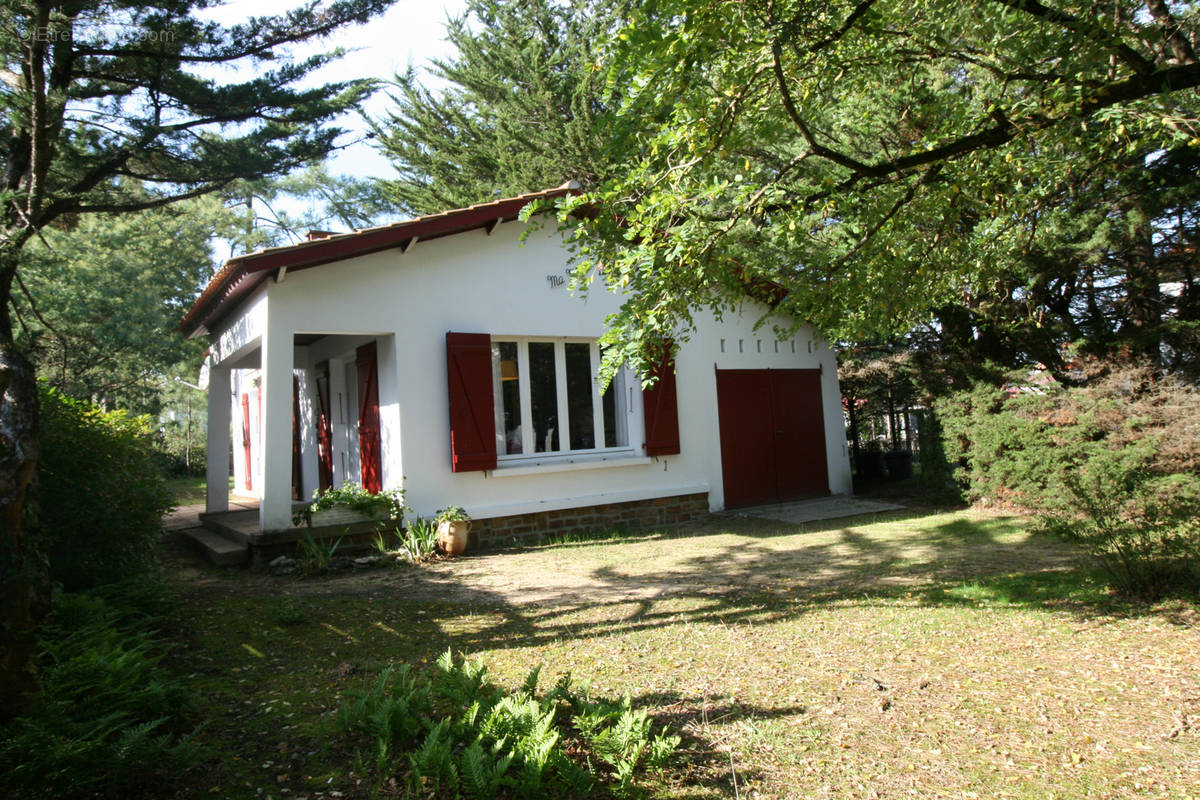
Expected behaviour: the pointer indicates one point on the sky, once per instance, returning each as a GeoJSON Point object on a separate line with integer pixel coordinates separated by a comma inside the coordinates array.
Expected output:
{"type": "Point", "coordinates": [410, 32]}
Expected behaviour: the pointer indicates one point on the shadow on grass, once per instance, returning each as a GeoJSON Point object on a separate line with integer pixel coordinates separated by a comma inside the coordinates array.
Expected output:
{"type": "Point", "coordinates": [730, 571]}
{"type": "Point", "coordinates": [762, 578]}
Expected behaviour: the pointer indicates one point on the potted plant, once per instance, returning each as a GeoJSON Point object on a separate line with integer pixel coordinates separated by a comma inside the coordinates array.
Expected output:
{"type": "Point", "coordinates": [349, 504]}
{"type": "Point", "coordinates": [453, 526]}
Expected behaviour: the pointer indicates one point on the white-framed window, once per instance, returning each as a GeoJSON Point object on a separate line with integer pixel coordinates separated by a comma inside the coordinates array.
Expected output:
{"type": "Point", "coordinates": [548, 403]}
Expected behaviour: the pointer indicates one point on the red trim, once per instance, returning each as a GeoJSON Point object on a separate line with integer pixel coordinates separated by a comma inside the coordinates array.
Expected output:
{"type": "Point", "coordinates": [369, 444]}
{"type": "Point", "coordinates": [660, 407]}
{"type": "Point", "coordinates": [472, 410]}
{"type": "Point", "coordinates": [246, 436]}
{"type": "Point", "coordinates": [297, 467]}
{"type": "Point", "coordinates": [324, 429]}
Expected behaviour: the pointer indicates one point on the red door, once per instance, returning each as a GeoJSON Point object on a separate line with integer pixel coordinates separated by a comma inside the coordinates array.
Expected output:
{"type": "Point", "coordinates": [368, 418]}
{"type": "Point", "coordinates": [772, 435]}
{"type": "Point", "coordinates": [297, 470]}
{"type": "Point", "coordinates": [747, 437]}
{"type": "Point", "coordinates": [324, 429]}
{"type": "Point", "coordinates": [246, 436]}
{"type": "Point", "coordinates": [801, 468]}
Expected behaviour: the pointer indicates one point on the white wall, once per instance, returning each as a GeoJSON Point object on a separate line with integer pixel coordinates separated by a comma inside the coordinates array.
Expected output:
{"type": "Point", "coordinates": [475, 283]}
{"type": "Point", "coordinates": [747, 348]}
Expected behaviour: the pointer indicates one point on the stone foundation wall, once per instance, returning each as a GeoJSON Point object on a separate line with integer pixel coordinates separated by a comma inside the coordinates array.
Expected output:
{"type": "Point", "coordinates": [635, 515]}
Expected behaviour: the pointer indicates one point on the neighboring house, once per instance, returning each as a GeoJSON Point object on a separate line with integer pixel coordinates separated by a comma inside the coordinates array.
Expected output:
{"type": "Point", "coordinates": [447, 355]}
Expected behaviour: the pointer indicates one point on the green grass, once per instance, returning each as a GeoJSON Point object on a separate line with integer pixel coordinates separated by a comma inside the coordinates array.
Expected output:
{"type": "Point", "coordinates": [189, 490]}
{"type": "Point", "coordinates": [930, 656]}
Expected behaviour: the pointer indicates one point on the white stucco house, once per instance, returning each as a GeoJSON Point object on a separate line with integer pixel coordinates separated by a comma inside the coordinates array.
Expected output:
{"type": "Point", "coordinates": [448, 355]}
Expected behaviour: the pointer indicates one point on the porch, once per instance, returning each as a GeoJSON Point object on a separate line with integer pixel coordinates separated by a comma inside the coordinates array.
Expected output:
{"type": "Point", "coordinates": [233, 538]}
{"type": "Point", "coordinates": [292, 412]}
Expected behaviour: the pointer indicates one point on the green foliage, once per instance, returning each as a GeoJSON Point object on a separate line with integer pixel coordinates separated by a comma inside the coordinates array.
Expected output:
{"type": "Point", "coordinates": [520, 106]}
{"type": "Point", "coordinates": [419, 540]}
{"type": "Point", "coordinates": [316, 556]}
{"type": "Point", "coordinates": [483, 770]}
{"type": "Point", "coordinates": [1113, 463]}
{"type": "Point", "coordinates": [182, 420]}
{"type": "Point", "coordinates": [115, 108]}
{"type": "Point", "coordinates": [286, 612]}
{"type": "Point", "coordinates": [101, 492]}
{"type": "Point", "coordinates": [108, 715]}
{"type": "Point", "coordinates": [456, 735]}
{"type": "Point", "coordinates": [280, 211]}
{"type": "Point", "coordinates": [388, 504]}
{"type": "Point", "coordinates": [937, 473]}
{"type": "Point", "coordinates": [1017, 171]}
{"type": "Point", "coordinates": [452, 514]}
{"type": "Point", "coordinates": [621, 737]}
{"type": "Point", "coordinates": [111, 290]}
{"type": "Point", "coordinates": [391, 712]}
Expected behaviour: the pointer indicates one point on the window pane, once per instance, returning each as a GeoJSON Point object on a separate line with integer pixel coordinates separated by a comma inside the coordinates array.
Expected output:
{"type": "Point", "coordinates": [543, 396]}
{"type": "Point", "coordinates": [510, 397]}
{"type": "Point", "coordinates": [610, 414]}
{"type": "Point", "coordinates": [579, 395]}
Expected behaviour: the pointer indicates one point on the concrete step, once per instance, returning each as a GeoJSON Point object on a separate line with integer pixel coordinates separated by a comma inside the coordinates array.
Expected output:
{"type": "Point", "coordinates": [216, 548]}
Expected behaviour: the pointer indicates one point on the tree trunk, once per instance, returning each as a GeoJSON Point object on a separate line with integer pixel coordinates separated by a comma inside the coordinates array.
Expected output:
{"type": "Point", "coordinates": [24, 569]}
{"type": "Point", "coordinates": [1143, 296]}
{"type": "Point", "coordinates": [855, 445]}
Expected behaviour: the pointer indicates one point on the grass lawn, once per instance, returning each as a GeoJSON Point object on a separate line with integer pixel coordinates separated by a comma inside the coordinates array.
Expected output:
{"type": "Point", "coordinates": [945, 655]}
{"type": "Point", "coordinates": [188, 490]}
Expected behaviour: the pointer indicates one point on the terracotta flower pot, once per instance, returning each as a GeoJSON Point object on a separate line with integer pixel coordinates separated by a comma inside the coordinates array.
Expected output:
{"type": "Point", "coordinates": [452, 536]}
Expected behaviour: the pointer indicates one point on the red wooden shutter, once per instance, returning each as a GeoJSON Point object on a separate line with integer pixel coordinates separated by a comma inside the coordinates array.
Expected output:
{"type": "Point", "coordinates": [246, 436]}
{"type": "Point", "coordinates": [369, 448]}
{"type": "Point", "coordinates": [661, 409]}
{"type": "Point", "coordinates": [297, 469]}
{"type": "Point", "coordinates": [324, 429]}
{"type": "Point", "coordinates": [472, 415]}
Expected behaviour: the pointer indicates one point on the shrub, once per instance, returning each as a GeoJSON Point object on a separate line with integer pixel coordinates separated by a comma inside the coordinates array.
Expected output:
{"type": "Point", "coordinates": [458, 734]}
{"type": "Point", "coordinates": [107, 715]}
{"type": "Point", "coordinates": [101, 495]}
{"type": "Point", "coordinates": [937, 473]}
{"type": "Point", "coordinates": [1114, 463]}
{"type": "Point", "coordinates": [388, 503]}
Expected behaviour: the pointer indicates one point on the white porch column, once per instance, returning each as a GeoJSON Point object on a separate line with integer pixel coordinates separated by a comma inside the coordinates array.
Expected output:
{"type": "Point", "coordinates": [275, 507]}
{"type": "Point", "coordinates": [389, 412]}
{"type": "Point", "coordinates": [216, 492]}
{"type": "Point", "coordinates": [308, 432]}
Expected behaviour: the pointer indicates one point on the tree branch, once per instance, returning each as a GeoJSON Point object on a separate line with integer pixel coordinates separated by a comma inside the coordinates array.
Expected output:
{"type": "Point", "coordinates": [1084, 27]}
{"type": "Point", "coordinates": [158, 202]}
{"type": "Point", "coordinates": [1181, 48]}
{"type": "Point", "coordinates": [858, 11]}
{"type": "Point", "coordinates": [928, 177]}
{"type": "Point", "coordinates": [789, 106]}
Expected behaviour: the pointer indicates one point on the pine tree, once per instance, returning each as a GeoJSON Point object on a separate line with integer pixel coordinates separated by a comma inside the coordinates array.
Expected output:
{"type": "Point", "coordinates": [97, 99]}
{"type": "Point", "coordinates": [523, 107]}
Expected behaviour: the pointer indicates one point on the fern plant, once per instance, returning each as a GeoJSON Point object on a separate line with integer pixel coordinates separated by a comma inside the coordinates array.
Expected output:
{"type": "Point", "coordinates": [433, 763]}
{"type": "Point", "coordinates": [483, 771]}
{"type": "Point", "coordinates": [109, 706]}
{"type": "Point", "coordinates": [462, 735]}
{"type": "Point", "coordinates": [393, 712]}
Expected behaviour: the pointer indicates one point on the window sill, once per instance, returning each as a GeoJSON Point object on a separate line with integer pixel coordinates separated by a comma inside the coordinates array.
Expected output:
{"type": "Point", "coordinates": [569, 464]}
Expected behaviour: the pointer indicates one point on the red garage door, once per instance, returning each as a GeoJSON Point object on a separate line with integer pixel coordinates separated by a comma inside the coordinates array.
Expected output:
{"type": "Point", "coordinates": [772, 435]}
